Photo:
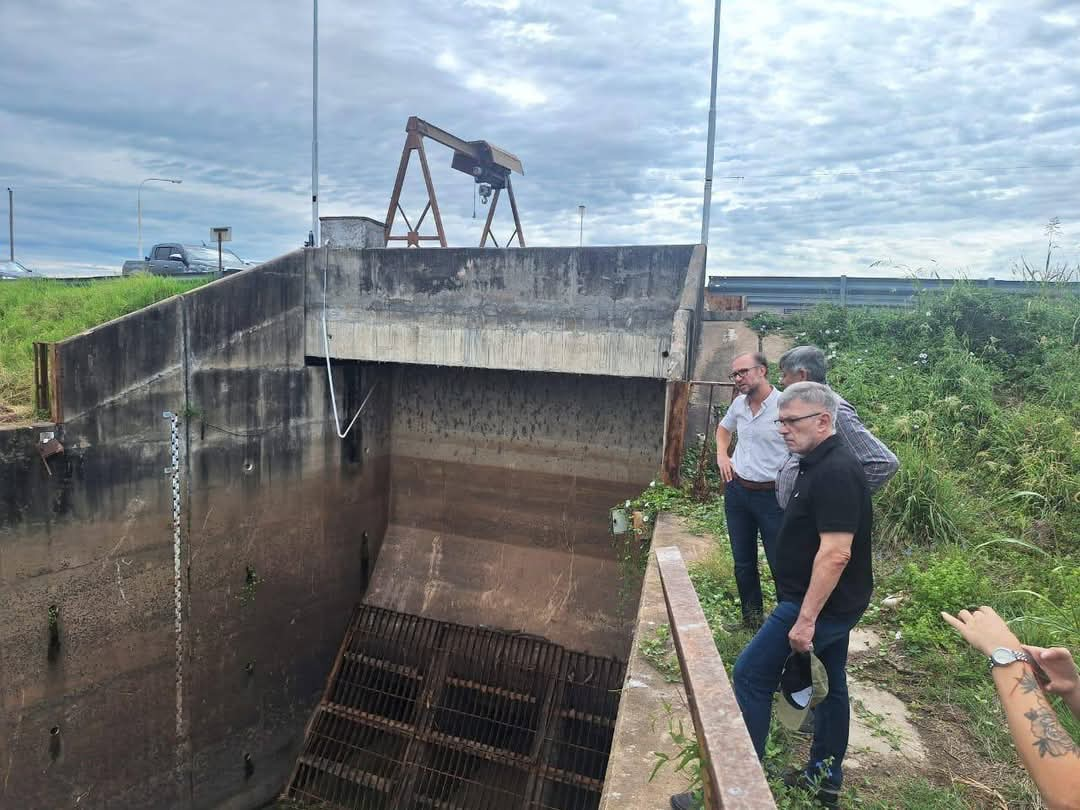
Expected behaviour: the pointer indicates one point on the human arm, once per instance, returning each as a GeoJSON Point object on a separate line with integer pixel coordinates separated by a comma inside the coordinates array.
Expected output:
{"type": "Point", "coordinates": [879, 463]}
{"type": "Point", "coordinates": [1063, 679]}
{"type": "Point", "coordinates": [1052, 759]}
{"type": "Point", "coordinates": [723, 442]}
{"type": "Point", "coordinates": [785, 479]}
{"type": "Point", "coordinates": [831, 559]}
{"type": "Point", "coordinates": [723, 460]}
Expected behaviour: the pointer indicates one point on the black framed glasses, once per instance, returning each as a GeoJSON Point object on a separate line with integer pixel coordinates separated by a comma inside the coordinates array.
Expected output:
{"type": "Point", "coordinates": [740, 372]}
{"type": "Point", "coordinates": [791, 420]}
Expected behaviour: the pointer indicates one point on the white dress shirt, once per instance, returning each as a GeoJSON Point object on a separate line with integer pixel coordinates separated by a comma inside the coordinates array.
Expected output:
{"type": "Point", "coordinates": [760, 451]}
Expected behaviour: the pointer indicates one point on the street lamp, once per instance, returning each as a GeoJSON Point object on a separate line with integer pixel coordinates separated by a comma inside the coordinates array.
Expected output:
{"type": "Point", "coordinates": [581, 224]}
{"type": "Point", "coordinates": [143, 183]}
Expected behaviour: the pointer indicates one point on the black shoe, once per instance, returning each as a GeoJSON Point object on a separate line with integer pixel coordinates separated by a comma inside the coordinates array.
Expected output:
{"type": "Point", "coordinates": [827, 794]}
{"type": "Point", "coordinates": [684, 801]}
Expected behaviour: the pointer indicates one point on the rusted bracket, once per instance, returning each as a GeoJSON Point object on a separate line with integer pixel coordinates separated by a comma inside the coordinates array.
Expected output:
{"type": "Point", "coordinates": [678, 404]}
{"type": "Point", "coordinates": [730, 768]}
{"type": "Point", "coordinates": [47, 380]}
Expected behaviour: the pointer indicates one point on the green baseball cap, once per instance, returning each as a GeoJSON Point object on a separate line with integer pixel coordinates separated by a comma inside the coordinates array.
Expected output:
{"type": "Point", "coordinates": [804, 683]}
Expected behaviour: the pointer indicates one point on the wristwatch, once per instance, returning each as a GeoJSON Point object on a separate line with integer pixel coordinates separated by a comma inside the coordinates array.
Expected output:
{"type": "Point", "coordinates": [1003, 656]}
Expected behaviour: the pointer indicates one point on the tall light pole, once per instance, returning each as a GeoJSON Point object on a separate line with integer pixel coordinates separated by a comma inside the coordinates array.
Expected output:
{"type": "Point", "coordinates": [139, 215]}
{"type": "Point", "coordinates": [315, 128]}
{"type": "Point", "coordinates": [11, 220]}
{"type": "Point", "coordinates": [581, 225]}
{"type": "Point", "coordinates": [707, 205]}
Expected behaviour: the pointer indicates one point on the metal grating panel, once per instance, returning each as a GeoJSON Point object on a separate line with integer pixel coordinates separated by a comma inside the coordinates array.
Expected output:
{"type": "Point", "coordinates": [425, 714]}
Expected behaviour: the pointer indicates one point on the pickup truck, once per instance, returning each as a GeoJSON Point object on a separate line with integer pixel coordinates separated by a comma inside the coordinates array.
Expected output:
{"type": "Point", "coordinates": [170, 259]}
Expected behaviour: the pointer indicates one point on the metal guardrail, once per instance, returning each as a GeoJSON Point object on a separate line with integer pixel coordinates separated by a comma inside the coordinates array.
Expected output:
{"type": "Point", "coordinates": [790, 293]}
{"type": "Point", "coordinates": [730, 769]}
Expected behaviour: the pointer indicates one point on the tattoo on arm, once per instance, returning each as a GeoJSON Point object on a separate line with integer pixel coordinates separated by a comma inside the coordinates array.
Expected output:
{"type": "Point", "coordinates": [1051, 739]}
{"type": "Point", "coordinates": [1027, 683]}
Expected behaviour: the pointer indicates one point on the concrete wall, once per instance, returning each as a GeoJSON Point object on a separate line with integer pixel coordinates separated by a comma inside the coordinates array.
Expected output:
{"type": "Point", "coordinates": [501, 487]}
{"type": "Point", "coordinates": [477, 495]}
{"type": "Point", "coordinates": [352, 232]}
{"type": "Point", "coordinates": [609, 311]}
{"type": "Point", "coordinates": [268, 488]}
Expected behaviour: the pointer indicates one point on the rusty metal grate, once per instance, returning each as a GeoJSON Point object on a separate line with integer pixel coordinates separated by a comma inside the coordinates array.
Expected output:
{"type": "Point", "coordinates": [425, 714]}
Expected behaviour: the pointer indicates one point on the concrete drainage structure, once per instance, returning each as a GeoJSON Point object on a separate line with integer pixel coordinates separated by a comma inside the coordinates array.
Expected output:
{"type": "Point", "coordinates": [419, 713]}
{"type": "Point", "coordinates": [512, 398]}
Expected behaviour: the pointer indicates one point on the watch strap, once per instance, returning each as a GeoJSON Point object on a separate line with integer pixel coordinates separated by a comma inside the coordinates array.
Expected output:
{"type": "Point", "coordinates": [1018, 655]}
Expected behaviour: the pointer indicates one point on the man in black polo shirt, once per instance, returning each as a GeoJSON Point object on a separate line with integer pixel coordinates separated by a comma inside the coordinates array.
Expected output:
{"type": "Point", "coordinates": [823, 580]}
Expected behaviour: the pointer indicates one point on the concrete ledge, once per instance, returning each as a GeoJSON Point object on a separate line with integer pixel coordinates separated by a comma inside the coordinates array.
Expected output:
{"type": "Point", "coordinates": [604, 311]}
{"type": "Point", "coordinates": [642, 726]}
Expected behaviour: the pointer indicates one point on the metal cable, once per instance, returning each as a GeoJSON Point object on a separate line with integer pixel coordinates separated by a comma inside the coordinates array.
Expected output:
{"type": "Point", "coordinates": [326, 352]}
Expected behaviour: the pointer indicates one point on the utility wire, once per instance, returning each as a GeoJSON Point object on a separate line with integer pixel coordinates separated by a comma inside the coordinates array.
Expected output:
{"type": "Point", "coordinates": [326, 351]}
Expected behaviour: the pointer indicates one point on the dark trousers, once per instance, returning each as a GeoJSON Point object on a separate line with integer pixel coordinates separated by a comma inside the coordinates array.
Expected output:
{"type": "Point", "coordinates": [750, 512]}
{"type": "Point", "coordinates": [757, 676]}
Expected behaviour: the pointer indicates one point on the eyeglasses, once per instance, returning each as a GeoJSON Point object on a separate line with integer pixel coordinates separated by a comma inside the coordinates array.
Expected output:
{"type": "Point", "coordinates": [740, 372]}
{"type": "Point", "coordinates": [791, 420]}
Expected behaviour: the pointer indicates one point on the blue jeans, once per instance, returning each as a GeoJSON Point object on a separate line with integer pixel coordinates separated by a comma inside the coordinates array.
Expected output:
{"type": "Point", "coordinates": [749, 512]}
{"type": "Point", "coordinates": [757, 677]}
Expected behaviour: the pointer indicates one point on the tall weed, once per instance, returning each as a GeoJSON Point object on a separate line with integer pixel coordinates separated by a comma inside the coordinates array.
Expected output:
{"type": "Point", "coordinates": [50, 310]}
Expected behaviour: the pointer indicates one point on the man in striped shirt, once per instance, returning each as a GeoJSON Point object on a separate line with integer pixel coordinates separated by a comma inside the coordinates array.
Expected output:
{"type": "Point", "coordinates": [807, 363]}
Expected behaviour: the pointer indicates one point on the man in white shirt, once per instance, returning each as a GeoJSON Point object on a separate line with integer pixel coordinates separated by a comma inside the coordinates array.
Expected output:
{"type": "Point", "coordinates": [749, 476]}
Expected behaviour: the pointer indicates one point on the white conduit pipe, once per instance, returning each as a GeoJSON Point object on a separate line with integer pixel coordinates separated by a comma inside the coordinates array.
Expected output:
{"type": "Point", "coordinates": [326, 352]}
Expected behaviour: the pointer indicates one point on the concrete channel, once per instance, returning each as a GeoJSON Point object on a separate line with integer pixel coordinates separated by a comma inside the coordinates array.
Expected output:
{"type": "Point", "coordinates": [207, 578]}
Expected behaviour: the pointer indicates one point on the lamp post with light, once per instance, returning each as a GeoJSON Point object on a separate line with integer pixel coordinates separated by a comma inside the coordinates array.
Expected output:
{"type": "Point", "coordinates": [139, 215]}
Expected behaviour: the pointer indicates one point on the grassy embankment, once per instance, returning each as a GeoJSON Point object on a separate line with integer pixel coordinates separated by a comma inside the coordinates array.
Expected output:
{"type": "Point", "coordinates": [51, 310]}
{"type": "Point", "coordinates": [979, 395]}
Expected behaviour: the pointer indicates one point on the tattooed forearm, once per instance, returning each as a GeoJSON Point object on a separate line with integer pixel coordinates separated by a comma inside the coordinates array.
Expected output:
{"type": "Point", "coordinates": [1027, 683]}
{"type": "Point", "coordinates": [1051, 739]}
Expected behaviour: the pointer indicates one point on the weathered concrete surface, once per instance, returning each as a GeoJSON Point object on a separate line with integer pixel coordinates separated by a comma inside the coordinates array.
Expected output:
{"type": "Point", "coordinates": [352, 232]}
{"type": "Point", "coordinates": [612, 311]}
{"type": "Point", "coordinates": [283, 523]}
{"type": "Point", "coordinates": [267, 487]}
{"type": "Point", "coordinates": [501, 484]}
{"type": "Point", "coordinates": [643, 724]}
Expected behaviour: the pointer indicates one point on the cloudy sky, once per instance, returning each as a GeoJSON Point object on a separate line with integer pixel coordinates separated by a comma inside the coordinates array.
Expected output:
{"type": "Point", "coordinates": [857, 137]}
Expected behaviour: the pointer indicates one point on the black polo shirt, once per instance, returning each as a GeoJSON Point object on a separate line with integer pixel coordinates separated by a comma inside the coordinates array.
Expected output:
{"type": "Point", "coordinates": [830, 495]}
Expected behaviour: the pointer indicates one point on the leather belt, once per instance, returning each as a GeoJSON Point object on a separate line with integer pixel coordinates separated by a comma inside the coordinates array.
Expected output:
{"type": "Point", "coordinates": [756, 486]}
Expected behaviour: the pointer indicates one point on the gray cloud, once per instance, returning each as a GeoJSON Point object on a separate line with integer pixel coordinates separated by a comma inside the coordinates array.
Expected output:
{"type": "Point", "coordinates": [858, 132]}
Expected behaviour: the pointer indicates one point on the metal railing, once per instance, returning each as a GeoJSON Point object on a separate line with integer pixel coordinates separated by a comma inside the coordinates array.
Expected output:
{"type": "Point", "coordinates": [730, 770]}
{"type": "Point", "coordinates": [798, 292]}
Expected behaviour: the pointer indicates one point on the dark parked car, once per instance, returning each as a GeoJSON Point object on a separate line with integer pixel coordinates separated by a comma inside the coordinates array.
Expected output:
{"type": "Point", "coordinates": [169, 259]}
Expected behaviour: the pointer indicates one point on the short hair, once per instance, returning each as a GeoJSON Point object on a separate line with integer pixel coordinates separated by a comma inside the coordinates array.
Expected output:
{"type": "Point", "coordinates": [758, 357]}
{"type": "Point", "coordinates": [810, 359]}
{"type": "Point", "coordinates": [813, 394]}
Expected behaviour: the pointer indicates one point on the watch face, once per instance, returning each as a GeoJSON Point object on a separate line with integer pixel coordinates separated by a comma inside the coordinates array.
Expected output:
{"type": "Point", "coordinates": [1002, 656]}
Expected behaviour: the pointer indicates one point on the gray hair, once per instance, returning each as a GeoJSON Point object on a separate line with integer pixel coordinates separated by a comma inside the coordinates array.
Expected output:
{"type": "Point", "coordinates": [810, 359]}
{"type": "Point", "coordinates": [814, 394]}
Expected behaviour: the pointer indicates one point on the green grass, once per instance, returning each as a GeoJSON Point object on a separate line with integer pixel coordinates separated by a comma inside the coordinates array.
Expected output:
{"type": "Point", "coordinates": [51, 310]}
{"type": "Point", "coordinates": [978, 393]}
